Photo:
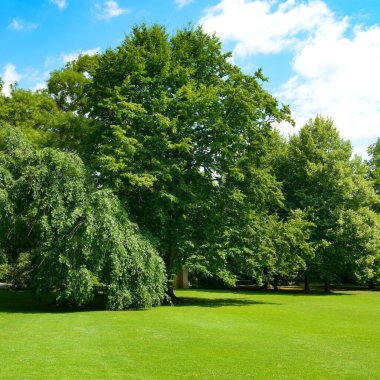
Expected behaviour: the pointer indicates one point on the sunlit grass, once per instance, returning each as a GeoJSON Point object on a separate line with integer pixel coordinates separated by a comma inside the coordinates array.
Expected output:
{"type": "Point", "coordinates": [209, 335]}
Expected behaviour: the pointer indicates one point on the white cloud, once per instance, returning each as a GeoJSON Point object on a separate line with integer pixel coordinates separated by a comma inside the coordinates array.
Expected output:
{"type": "Point", "coordinates": [74, 55]}
{"type": "Point", "coordinates": [338, 76]}
{"type": "Point", "coordinates": [61, 4]}
{"type": "Point", "coordinates": [38, 86]}
{"type": "Point", "coordinates": [21, 25]}
{"type": "Point", "coordinates": [334, 67]}
{"type": "Point", "coordinates": [264, 26]}
{"type": "Point", "coordinates": [182, 3]}
{"type": "Point", "coordinates": [31, 78]}
{"type": "Point", "coordinates": [110, 9]}
{"type": "Point", "coordinates": [361, 150]}
{"type": "Point", "coordinates": [9, 77]}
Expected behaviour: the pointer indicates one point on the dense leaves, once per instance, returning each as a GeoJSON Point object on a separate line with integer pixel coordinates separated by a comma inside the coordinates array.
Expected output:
{"type": "Point", "coordinates": [163, 134]}
{"type": "Point", "coordinates": [77, 238]}
{"type": "Point", "coordinates": [182, 129]}
{"type": "Point", "coordinates": [321, 178]}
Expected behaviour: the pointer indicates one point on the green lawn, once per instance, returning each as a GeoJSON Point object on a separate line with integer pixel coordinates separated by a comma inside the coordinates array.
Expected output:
{"type": "Point", "coordinates": [210, 335]}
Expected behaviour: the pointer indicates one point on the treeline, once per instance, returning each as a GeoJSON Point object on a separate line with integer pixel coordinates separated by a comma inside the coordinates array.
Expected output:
{"type": "Point", "coordinates": [162, 154]}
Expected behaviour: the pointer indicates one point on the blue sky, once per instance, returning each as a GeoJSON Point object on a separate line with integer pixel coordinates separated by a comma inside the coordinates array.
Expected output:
{"type": "Point", "coordinates": [321, 56]}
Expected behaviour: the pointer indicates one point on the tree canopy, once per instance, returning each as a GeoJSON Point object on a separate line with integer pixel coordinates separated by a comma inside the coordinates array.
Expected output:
{"type": "Point", "coordinates": [180, 129]}
{"type": "Point", "coordinates": [320, 178]}
{"type": "Point", "coordinates": [163, 151]}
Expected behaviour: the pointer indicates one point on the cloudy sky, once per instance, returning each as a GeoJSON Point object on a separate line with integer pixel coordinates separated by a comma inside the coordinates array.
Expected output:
{"type": "Point", "coordinates": [321, 56]}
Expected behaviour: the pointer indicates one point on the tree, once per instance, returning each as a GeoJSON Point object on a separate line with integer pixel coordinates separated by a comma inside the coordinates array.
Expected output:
{"type": "Point", "coordinates": [45, 123]}
{"type": "Point", "coordinates": [374, 167]}
{"type": "Point", "coordinates": [356, 238]}
{"type": "Point", "coordinates": [374, 176]}
{"type": "Point", "coordinates": [321, 179]}
{"type": "Point", "coordinates": [68, 87]}
{"type": "Point", "coordinates": [181, 130]}
{"type": "Point", "coordinates": [59, 234]}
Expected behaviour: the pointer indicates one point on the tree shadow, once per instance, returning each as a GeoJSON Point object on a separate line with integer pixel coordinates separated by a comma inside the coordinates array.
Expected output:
{"type": "Point", "coordinates": [219, 302]}
{"type": "Point", "coordinates": [25, 302]}
{"type": "Point", "coordinates": [282, 291]}
{"type": "Point", "coordinates": [296, 291]}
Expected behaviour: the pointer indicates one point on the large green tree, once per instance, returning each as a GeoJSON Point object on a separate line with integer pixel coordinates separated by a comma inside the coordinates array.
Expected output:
{"type": "Point", "coordinates": [182, 139]}
{"type": "Point", "coordinates": [321, 179]}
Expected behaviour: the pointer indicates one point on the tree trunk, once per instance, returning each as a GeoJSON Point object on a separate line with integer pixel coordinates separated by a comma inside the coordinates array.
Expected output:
{"type": "Point", "coordinates": [172, 297]}
{"type": "Point", "coordinates": [327, 287]}
{"type": "Point", "coordinates": [371, 285]}
{"type": "Point", "coordinates": [169, 261]}
{"type": "Point", "coordinates": [275, 283]}
{"type": "Point", "coordinates": [307, 285]}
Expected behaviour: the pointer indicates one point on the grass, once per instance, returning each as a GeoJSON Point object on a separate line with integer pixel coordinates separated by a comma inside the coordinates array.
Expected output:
{"type": "Point", "coordinates": [210, 335]}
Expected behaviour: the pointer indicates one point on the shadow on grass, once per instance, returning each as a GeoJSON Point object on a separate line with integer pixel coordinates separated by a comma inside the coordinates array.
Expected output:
{"type": "Point", "coordinates": [25, 302]}
{"type": "Point", "coordinates": [285, 292]}
{"type": "Point", "coordinates": [282, 291]}
{"type": "Point", "coordinates": [218, 302]}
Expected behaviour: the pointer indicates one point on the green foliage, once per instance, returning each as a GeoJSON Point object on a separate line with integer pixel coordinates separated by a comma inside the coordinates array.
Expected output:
{"type": "Point", "coordinates": [33, 113]}
{"type": "Point", "coordinates": [165, 132]}
{"type": "Point", "coordinates": [68, 87]}
{"type": "Point", "coordinates": [355, 240]}
{"type": "Point", "coordinates": [78, 237]}
{"type": "Point", "coordinates": [374, 167]}
{"type": "Point", "coordinates": [271, 249]}
{"type": "Point", "coordinates": [18, 273]}
{"type": "Point", "coordinates": [320, 178]}
{"type": "Point", "coordinates": [45, 124]}
{"type": "Point", "coordinates": [182, 129]}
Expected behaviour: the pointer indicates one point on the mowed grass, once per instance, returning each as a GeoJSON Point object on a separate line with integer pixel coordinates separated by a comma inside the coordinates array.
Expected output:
{"type": "Point", "coordinates": [210, 335]}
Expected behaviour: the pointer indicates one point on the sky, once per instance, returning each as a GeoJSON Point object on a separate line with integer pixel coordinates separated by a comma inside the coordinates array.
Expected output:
{"type": "Point", "coordinates": [320, 56]}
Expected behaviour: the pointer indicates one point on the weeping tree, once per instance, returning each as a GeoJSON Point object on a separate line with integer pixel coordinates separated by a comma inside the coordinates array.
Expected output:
{"type": "Point", "coordinates": [60, 234]}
